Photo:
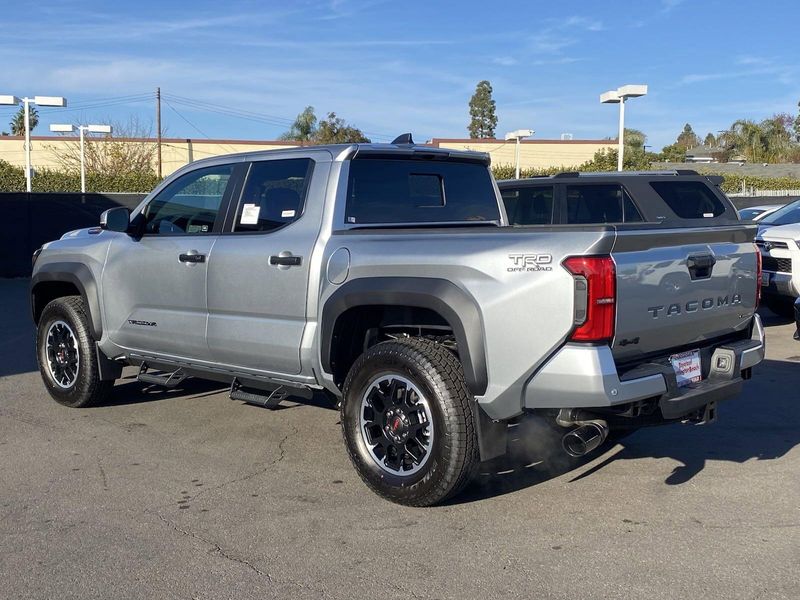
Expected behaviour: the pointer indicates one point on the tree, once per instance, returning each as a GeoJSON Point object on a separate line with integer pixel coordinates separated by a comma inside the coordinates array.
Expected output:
{"type": "Point", "coordinates": [482, 112]}
{"type": "Point", "coordinates": [688, 138]}
{"type": "Point", "coordinates": [304, 127]}
{"type": "Point", "coordinates": [634, 140]}
{"type": "Point", "coordinates": [606, 160]}
{"type": "Point", "coordinates": [777, 137]}
{"type": "Point", "coordinates": [334, 130]}
{"type": "Point", "coordinates": [129, 151]}
{"type": "Point", "coordinates": [710, 140]}
{"type": "Point", "coordinates": [796, 125]}
{"type": "Point", "coordinates": [17, 123]}
{"type": "Point", "coordinates": [673, 153]}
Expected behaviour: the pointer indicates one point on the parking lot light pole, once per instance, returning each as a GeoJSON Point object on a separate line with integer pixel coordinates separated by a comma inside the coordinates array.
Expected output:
{"type": "Point", "coordinates": [619, 96]}
{"type": "Point", "coordinates": [83, 129]}
{"type": "Point", "coordinates": [26, 102]}
{"type": "Point", "coordinates": [518, 135]}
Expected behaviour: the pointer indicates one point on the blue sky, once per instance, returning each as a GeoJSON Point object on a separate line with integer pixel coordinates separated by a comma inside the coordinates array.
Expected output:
{"type": "Point", "coordinates": [396, 66]}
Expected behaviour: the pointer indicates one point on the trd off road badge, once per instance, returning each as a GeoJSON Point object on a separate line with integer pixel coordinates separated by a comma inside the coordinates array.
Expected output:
{"type": "Point", "coordinates": [530, 262]}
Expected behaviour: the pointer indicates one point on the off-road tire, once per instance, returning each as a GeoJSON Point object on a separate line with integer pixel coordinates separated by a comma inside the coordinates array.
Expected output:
{"type": "Point", "coordinates": [454, 450]}
{"type": "Point", "coordinates": [87, 388]}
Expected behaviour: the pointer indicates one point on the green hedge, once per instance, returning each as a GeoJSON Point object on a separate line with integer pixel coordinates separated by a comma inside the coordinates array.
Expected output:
{"type": "Point", "coordinates": [508, 171]}
{"type": "Point", "coordinates": [12, 179]}
{"type": "Point", "coordinates": [733, 182]}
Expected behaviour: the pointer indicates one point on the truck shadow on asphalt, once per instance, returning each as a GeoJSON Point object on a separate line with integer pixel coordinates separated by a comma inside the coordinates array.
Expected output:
{"type": "Point", "coordinates": [130, 391]}
{"type": "Point", "coordinates": [762, 424]}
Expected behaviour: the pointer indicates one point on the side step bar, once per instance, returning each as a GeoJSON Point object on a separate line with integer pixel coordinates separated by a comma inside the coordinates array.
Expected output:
{"type": "Point", "coordinates": [166, 379]}
{"type": "Point", "coordinates": [267, 399]}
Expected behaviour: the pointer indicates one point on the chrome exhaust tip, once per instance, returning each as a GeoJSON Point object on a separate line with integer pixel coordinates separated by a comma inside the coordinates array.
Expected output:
{"type": "Point", "coordinates": [585, 438]}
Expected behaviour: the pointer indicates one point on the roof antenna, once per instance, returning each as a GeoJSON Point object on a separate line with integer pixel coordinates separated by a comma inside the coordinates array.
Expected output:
{"type": "Point", "coordinates": [403, 138]}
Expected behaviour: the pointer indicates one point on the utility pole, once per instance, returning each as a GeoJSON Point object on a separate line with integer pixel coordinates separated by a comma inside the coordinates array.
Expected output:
{"type": "Point", "coordinates": [158, 126]}
{"type": "Point", "coordinates": [26, 103]}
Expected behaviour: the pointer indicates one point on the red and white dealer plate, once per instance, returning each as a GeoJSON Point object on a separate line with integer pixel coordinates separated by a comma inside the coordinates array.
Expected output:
{"type": "Point", "coordinates": [687, 367]}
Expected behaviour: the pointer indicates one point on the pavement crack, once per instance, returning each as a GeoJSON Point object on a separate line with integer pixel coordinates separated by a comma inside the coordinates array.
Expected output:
{"type": "Point", "coordinates": [102, 474]}
{"type": "Point", "coordinates": [248, 476]}
{"type": "Point", "coordinates": [216, 548]}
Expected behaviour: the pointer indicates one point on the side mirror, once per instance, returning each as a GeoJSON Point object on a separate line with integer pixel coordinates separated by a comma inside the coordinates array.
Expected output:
{"type": "Point", "coordinates": [116, 219]}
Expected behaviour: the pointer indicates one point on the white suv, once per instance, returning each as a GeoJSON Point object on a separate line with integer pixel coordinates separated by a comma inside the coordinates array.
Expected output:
{"type": "Point", "coordinates": [779, 242]}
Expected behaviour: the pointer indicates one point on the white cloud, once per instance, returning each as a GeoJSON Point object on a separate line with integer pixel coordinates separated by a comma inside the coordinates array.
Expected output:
{"type": "Point", "coordinates": [583, 23]}
{"type": "Point", "coordinates": [505, 61]}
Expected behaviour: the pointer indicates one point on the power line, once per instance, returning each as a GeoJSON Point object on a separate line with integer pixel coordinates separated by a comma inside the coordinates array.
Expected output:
{"type": "Point", "coordinates": [264, 116]}
{"type": "Point", "coordinates": [87, 106]}
{"type": "Point", "coordinates": [248, 115]}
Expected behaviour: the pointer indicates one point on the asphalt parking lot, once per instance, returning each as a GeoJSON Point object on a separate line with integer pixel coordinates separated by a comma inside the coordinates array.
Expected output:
{"type": "Point", "coordinates": [188, 494]}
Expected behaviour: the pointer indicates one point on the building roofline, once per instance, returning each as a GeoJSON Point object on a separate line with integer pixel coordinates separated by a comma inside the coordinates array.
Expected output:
{"type": "Point", "coordinates": [71, 138]}
{"type": "Point", "coordinates": [437, 141]}
{"type": "Point", "coordinates": [171, 140]}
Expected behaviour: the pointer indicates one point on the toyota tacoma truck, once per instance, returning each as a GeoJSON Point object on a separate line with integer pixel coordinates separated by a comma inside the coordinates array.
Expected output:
{"type": "Point", "coordinates": [389, 277]}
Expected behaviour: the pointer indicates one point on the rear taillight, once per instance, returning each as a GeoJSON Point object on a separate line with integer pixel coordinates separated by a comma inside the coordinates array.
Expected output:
{"type": "Point", "coordinates": [595, 297]}
{"type": "Point", "coordinates": [758, 276]}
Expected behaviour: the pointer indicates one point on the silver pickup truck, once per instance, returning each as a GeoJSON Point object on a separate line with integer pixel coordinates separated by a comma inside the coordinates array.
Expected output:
{"type": "Point", "coordinates": [389, 277]}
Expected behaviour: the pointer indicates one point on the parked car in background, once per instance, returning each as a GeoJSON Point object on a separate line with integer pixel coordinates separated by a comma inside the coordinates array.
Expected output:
{"type": "Point", "coordinates": [778, 238]}
{"type": "Point", "coordinates": [780, 257]}
{"type": "Point", "coordinates": [797, 318]}
{"type": "Point", "coordinates": [788, 214]}
{"type": "Point", "coordinates": [756, 213]}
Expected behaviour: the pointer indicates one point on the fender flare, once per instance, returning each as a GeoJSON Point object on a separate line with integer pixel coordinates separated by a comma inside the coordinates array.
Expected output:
{"type": "Point", "coordinates": [78, 275]}
{"type": "Point", "coordinates": [452, 303]}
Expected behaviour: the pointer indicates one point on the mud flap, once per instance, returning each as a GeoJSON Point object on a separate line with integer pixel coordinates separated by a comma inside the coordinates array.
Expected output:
{"type": "Point", "coordinates": [109, 369]}
{"type": "Point", "coordinates": [492, 435]}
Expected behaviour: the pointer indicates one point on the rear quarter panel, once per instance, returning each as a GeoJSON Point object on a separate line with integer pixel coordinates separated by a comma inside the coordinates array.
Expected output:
{"type": "Point", "coordinates": [525, 303]}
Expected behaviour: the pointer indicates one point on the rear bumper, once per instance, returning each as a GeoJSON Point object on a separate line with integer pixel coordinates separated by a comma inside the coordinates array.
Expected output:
{"type": "Point", "coordinates": [780, 284]}
{"type": "Point", "coordinates": [586, 377]}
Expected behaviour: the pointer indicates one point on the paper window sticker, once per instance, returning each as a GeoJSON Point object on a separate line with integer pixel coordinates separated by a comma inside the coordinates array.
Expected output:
{"type": "Point", "coordinates": [287, 214]}
{"type": "Point", "coordinates": [250, 214]}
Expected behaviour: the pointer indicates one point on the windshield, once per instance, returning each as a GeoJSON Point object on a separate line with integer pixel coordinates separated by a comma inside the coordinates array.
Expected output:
{"type": "Point", "coordinates": [787, 215]}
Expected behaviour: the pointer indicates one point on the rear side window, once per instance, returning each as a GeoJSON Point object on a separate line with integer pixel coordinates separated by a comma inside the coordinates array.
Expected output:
{"type": "Point", "coordinates": [592, 204]}
{"type": "Point", "coordinates": [274, 194]}
{"type": "Point", "coordinates": [689, 199]}
{"type": "Point", "coordinates": [529, 205]}
{"type": "Point", "coordinates": [415, 191]}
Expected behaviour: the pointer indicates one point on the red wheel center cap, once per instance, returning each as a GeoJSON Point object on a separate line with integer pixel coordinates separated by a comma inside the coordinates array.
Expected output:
{"type": "Point", "coordinates": [396, 424]}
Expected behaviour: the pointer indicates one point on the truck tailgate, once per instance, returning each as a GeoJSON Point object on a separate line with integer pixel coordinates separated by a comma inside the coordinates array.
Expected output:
{"type": "Point", "coordinates": [680, 287]}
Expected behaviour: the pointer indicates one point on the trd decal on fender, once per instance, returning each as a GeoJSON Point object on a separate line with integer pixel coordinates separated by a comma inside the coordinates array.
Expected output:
{"type": "Point", "coordinates": [530, 262]}
{"type": "Point", "coordinates": [143, 323]}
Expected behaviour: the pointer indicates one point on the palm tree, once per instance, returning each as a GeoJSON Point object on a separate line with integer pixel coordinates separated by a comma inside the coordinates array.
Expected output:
{"type": "Point", "coordinates": [746, 137]}
{"type": "Point", "coordinates": [777, 136]}
{"type": "Point", "coordinates": [18, 120]}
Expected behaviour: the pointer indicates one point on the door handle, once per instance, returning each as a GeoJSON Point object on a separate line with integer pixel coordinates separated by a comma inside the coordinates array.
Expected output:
{"type": "Point", "coordinates": [701, 261]}
{"type": "Point", "coordinates": [700, 265]}
{"type": "Point", "coordinates": [192, 257]}
{"type": "Point", "coordinates": [286, 261]}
